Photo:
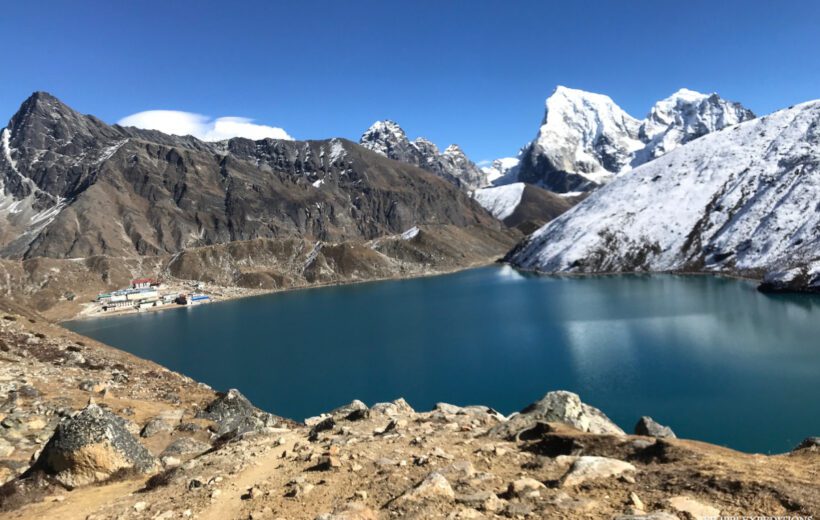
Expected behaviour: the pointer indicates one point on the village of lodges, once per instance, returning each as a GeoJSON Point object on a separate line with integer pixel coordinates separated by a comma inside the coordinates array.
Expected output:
{"type": "Point", "coordinates": [146, 293]}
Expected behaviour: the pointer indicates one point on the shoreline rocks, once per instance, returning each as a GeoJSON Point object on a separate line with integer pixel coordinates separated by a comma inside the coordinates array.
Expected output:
{"type": "Point", "coordinates": [558, 406]}
{"type": "Point", "coordinates": [648, 427]}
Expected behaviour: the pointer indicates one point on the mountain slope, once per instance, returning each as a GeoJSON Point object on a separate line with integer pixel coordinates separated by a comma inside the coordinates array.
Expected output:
{"type": "Point", "coordinates": [73, 186]}
{"type": "Point", "coordinates": [741, 200]}
{"type": "Point", "coordinates": [585, 139]}
{"type": "Point", "coordinates": [389, 140]}
{"type": "Point", "coordinates": [523, 206]}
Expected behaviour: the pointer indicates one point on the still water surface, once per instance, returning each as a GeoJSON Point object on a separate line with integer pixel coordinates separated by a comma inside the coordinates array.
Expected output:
{"type": "Point", "coordinates": [711, 357]}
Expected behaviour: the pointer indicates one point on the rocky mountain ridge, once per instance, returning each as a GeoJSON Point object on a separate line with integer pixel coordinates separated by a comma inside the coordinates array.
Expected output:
{"type": "Point", "coordinates": [586, 139]}
{"type": "Point", "coordinates": [744, 202]}
{"type": "Point", "coordinates": [75, 187]}
{"type": "Point", "coordinates": [387, 138]}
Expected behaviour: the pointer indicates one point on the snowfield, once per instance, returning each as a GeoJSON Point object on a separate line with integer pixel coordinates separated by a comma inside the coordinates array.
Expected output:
{"type": "Point", "coordinates": [501, 201]}
{"type": "Point", "coordinates": [743, 199]}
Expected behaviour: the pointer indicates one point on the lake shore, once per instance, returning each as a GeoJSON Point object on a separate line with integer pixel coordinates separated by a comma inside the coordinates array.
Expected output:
{"type": "Point", "coordinates": [242, 292]}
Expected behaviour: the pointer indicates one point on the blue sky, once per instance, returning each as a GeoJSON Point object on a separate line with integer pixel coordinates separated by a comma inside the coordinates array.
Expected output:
{"type": "Point", "coordinates": [471, 72]}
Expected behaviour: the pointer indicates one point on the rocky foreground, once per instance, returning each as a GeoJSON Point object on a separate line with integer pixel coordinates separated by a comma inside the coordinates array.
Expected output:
{"type": "Point", "coordinates": [87, 431]}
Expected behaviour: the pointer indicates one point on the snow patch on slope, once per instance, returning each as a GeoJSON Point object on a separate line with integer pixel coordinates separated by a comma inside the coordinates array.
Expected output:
{"type": "Point", "coordinates": [500, 201]}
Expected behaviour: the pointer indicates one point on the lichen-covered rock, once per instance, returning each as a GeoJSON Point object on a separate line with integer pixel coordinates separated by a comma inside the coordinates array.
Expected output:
{"type": "Point", "coordinates": [559, 406]}
{"type": "Point", "coordinates": [649, 427]}
{"type": "Point", "coordinates": [234, 414]}
{"type": "Point", "coordinates": [92, 446]}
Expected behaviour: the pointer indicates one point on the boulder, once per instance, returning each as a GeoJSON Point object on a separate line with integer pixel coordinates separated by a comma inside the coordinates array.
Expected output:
{"type": "Point", "coordinates": [353, 406]}
{"type": "Point", "coordinates": [90, 447]}
{"type": "Point", "coordinates": [692, 507]}
{"type": "Point", "coordinates": [559, 406]}
{"type": "Point", "coordinates": [185, 446]}
{"type": "Point", "coordinates": [235, 415]}
{"type": "Point", "coordinates": [477, 411]}
{"type": "Point", "coordinates": [593, 468]}
{"type": "Point", "coordinates": [155, 426]}
{"type": "Point", "coordinates": [486, 501]}
{"type": "Point", "coordinates": [322, 426]}
{"type": "Point", "coordinates": [649, 427]}
{"type": "Point", "coordinates": [525, 487]}
{"type": "Point", "coordinates": [808, 443]}
{"type": "Point", "coordinates": [397, 407]}
{"type": "Point", "coordinates": [434, 486]}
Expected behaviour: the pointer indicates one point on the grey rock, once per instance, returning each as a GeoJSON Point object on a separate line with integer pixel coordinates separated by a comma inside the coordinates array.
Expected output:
{"type": "Point", "coordinates": [397, 407]}
{"type": "Point", "coordinates": [558, 406]}
{"type": "Point", "coordinates": [812, 443]}
{"type": "Point", "coordinates": [185, 446]}
{"type": "Point", "coordinates": [650, 428]}
{"type": "Point", "coordinates": [91, 447]}
{"type": "Point", "coordinates": [593, 468]}
{"type": "Point", "coordinates": [346, 410]}
{"type": "Point", "coordinates": [155, 426]}
{"type": "Point", "coordinates": [28, 391]}
{"type": "Point", "coordinates": [233, 414]}
{"type": "Point", "coordinates": [322, 426]}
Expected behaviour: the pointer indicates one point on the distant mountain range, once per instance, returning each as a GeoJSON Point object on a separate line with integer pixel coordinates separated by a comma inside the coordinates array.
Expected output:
{"type": "Point", "coordinates": [73, 187]}
{"type": "Point", "coordinates": [700, 184]}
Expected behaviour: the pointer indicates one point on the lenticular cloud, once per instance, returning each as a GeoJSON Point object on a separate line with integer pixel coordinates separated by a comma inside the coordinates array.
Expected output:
{"type": "Point", "coordinates": [203, 127]}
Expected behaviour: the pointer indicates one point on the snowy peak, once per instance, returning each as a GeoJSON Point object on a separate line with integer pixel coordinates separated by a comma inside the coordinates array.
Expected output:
{"type": "Point", "coordinates": [587, 133]}
{"type": "Point", "coordinates": [385, 138]}
{"type": "Point", "coordinates": [684, 116]}
{"type": "Point", "coordinates": [585, 139]}
{"type": "Point", "coordinates": [502, 171]}
{"type": "Point", "coordinates": [389, 139]}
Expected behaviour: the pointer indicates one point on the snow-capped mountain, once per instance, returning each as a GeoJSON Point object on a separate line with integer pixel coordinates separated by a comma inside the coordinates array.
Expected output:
{"type": "Point", "coordinates": [743, 200]}
{"type": "Point", "coordinates": [388, 139]}
{"type": "Point", "coordinates": [586, 139]}
{"type": "Point", "coordinates": [502, 169]}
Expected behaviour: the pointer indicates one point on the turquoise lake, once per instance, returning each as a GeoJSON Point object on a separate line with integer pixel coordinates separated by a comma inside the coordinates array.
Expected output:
{"type": "Point", "coordinates": [711, 357]}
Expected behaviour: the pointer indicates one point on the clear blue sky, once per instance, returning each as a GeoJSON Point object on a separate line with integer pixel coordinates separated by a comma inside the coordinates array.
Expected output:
{"type": "Point", "coordinates": [471, 72]}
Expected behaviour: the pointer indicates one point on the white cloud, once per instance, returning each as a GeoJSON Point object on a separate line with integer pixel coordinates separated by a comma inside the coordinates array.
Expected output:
{"type": "Point", "coordinates": [203, 127]}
